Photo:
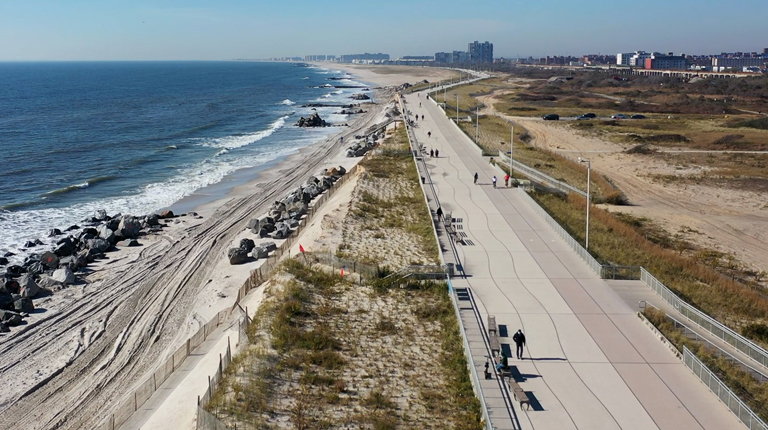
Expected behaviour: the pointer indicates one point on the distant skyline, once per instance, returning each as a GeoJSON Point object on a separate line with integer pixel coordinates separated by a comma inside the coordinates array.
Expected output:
{"type": "Point", "coordinates": [48, 30]}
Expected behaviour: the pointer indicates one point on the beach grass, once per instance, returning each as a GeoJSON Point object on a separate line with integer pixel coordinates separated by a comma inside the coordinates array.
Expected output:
{"type": "Point", "coordinates": [753, 393]}
{"type": "Point", "coordinates": [328, 351]}
{"type": "Point", "coordinates": [708, 280]}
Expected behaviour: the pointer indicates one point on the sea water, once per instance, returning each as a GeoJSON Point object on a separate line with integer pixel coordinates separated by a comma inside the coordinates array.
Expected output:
{"type": "Point", "coordinates": [135, 137]}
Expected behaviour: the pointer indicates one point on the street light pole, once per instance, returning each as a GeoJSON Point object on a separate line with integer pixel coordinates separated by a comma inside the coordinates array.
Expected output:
{"type": "Point", "coordinates": [589, 169]}
{"type": "Point", "coordinates": [511, 141]}
{"type": "Point", "coordinates": [457, 109]}
{"type": "Point", "coordinates": [477, 125]}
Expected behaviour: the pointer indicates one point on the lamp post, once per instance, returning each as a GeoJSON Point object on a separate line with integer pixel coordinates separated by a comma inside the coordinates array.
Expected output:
{"type": "Point", "coordinates": [477, 125]}
{"type": "Point", "coordinates": [589, 169]}
{"type": "Point", "coordinates": [457, 109]}
{"type": "Point", "coordinates": [511, 141]}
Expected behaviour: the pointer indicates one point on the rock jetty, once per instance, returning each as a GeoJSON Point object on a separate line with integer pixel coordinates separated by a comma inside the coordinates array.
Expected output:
{"type": "Point", "coordinates": [314, 120]}
{"type": "Point", "coordinates": [43, 273]}
{"type": "Point", "coordinates": [283, 217]}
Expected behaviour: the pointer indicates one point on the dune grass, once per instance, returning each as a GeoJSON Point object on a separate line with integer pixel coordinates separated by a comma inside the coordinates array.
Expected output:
{"type": "Point", "coordinates": [751, 392]}
{"type": "Point", "coordinates": [333, 352]}
{"type": "Point", "coordinates": [695, 280]}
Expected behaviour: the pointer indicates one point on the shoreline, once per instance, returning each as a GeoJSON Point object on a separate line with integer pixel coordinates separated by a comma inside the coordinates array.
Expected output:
{"type": "Point", "coordinates": [140, 303]}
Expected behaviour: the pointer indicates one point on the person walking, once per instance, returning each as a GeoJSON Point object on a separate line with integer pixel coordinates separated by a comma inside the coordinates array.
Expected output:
{"type": "Point", "coordinates": [494, 181]}
{"type": "Point", "coordinates": [439, 213]}
{"type": "Point", "coordinates": [429, 134]}
{"type": "Point", "coordinates": [519, 339]}
{"type": "Point", "coordinates": [475, 178]}
{"type": "Point", "coordinates": [431, 153]}
{"type": "Point", "coordinates": [506, 180]}
{"type": "Point", "coordinates": [437, 153]}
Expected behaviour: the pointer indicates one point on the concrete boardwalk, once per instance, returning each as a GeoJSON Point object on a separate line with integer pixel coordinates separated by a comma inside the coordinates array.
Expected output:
{"type": "Point", "coordinates": [590, 363]}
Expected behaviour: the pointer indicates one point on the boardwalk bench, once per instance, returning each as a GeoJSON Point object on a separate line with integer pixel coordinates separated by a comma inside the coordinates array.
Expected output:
{"type": "Point", "coordinates": [519, 393]}
{"type": "Point", "coordinates": [493, 339]}
{"type": "Point", "coordinates": [492, 327]}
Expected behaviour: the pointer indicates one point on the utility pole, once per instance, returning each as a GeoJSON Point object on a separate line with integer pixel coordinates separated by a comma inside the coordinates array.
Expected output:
{"type": "Point", "coordinates": [511, 143]}
{"type": "Point", "coordinates": [477, 125]}
{"type": "Point", "coordinates": [457, 109]}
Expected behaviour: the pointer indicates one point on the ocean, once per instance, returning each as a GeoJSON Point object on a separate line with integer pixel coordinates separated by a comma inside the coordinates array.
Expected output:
{"type": "Point", "coordinates": [135, 137]}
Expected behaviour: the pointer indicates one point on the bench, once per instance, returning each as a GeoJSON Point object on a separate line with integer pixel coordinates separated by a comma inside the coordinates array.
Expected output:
{"type": "Point", "coordinates": [492, 327]}
{"type": "Point", "coordinates": [505, 371]}
{"type": "Point", "coordinates": [452, 232]}
{"type": "Point", "coordinates": [493, 339]}
{"type": "Point", "coordinates": [519, 393]}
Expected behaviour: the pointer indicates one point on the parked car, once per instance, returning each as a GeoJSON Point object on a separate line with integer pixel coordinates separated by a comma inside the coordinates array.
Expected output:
{"type": "Point", "coordinates": [590, 115]}
{"type": "Point", "coordinates": [619, 116]}
{"type": "Point", "coordinates": [583, 117]}
{"type": "Point", "coordinates": [551, 117]}
{"type": "Point", "coordinates": [638, 116]}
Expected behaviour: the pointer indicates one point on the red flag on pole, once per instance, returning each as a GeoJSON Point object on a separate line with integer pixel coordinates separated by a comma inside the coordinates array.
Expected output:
{"type": "Point", "coordinates": [342, 271]}
{"type": "Point", "coordinates": [301, 248]}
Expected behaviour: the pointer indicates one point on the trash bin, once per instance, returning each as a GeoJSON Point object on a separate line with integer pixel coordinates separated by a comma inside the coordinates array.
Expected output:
{"type": "Point", "coordinates": [423, 180]}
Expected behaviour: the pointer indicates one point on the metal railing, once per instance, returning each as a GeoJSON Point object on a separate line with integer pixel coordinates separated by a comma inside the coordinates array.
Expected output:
{"type": "Point", "coordinates": [756, 374]}
{"type": "Point", "coordinates": [540, 177]}
{"type": "Point", "coordinates": [742, 411]}
{"type": "Point", "coordinates": [704, 321]}
{"type": "Point", "coordinates": [470, 361]}
{"type": "Point", "coordinates": [576, 246]}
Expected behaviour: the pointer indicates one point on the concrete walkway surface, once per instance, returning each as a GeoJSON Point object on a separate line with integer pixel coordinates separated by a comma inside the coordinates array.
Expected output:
{"type": "Point", "coordinates": [589, 362]}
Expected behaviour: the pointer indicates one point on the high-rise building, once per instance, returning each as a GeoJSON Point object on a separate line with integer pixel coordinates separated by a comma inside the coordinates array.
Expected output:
{"type": "Point", "coordinates": [480, 52]}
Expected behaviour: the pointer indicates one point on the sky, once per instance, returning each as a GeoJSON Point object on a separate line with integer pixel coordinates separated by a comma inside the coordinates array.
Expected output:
{"type": "Point", "coordinates": [90, 30]}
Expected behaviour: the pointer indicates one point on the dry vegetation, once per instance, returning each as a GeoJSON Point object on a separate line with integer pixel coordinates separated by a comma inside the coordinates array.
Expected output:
{"type": "Point", "coordinates": [331, 352]}
{"type": "Point", "coordinates": [388, 211]}
{"type": "Point", "coordinates": [750, 391]}
{"type": "Point", "coordinates": [712, 281]}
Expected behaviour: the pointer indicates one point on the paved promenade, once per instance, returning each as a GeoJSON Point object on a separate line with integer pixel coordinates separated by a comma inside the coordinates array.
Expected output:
{"type": "Point", "coordinates": [590, 363]}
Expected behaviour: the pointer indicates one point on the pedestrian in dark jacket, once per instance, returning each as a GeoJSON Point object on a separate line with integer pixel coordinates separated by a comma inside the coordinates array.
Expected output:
{"type": "Point", "coordinates": [519, 339]}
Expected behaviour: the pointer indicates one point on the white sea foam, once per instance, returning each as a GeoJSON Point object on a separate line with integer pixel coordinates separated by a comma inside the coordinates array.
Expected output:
{"type": "Point", "coordinates": [287, 102]}
{"type": "Point", "coordinates": [20, 226]}
{"type": "Point", "coordinates": [232, 142]}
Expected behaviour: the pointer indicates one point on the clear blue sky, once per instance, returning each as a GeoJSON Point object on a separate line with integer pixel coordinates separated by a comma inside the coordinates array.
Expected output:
{"type": "Point", "coordinates": [226, 29]}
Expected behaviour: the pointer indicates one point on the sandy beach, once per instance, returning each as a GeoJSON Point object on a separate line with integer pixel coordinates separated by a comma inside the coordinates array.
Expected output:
{"type": "Point", "coordinates": [91, 344]}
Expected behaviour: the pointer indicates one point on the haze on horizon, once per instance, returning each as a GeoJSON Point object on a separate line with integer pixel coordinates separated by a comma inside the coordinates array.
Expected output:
{"type": "Point", "coordinates": [48, 30]}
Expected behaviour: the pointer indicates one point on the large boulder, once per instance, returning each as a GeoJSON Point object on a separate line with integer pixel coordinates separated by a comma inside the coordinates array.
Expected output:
{"type": "Point", "coordinates": [64, 248]}
{"type": "Point", "coordinates": [49, 260]}
{"type": "Point", "coordinates": [49, 283]}
{"type": "Point", "coordinates": [166, 214]}
{"type": "Point", "coordinates": [28, 286]}
{"type": "Point", "coordinates": [36, 268]}
{"type": "Point", "coordinates": [247, 244]}
{"type": "Point", "coordinates": [237, 256]}
{"type": "Point", "coordinates": [4, 328]}
{"type": "Point", "coordinates": [260, 252]}
{"type": "Point", "coordinates": [153, 219]}
{"type": "Point", "coordinates": [15, 271]}
{"type": "Point", "coordinates": [54, 232]}
{"type": "Point", "coordinates": [3, 261]}
{"type": "Point", "coordinates": [99, 244]}
{"type": "Point", "coordinates": [10, 286]}
{"type": "Point", "coordinates": [10, 318]}
{"type": "Point", "coordinates": [6, 301]}
{"type": "Point", "coordinates": [101, 215]}
{"type": "Point", "coordinates": [314, 120]}
{"type": "Point", "coordinates": [23, 304]}
{"type": "Point", "coordinates": [129, 227]}
{"type": "Point", "coordinates": [64, 275]}
{"type": "Point", "coordinates": [107, 234]}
